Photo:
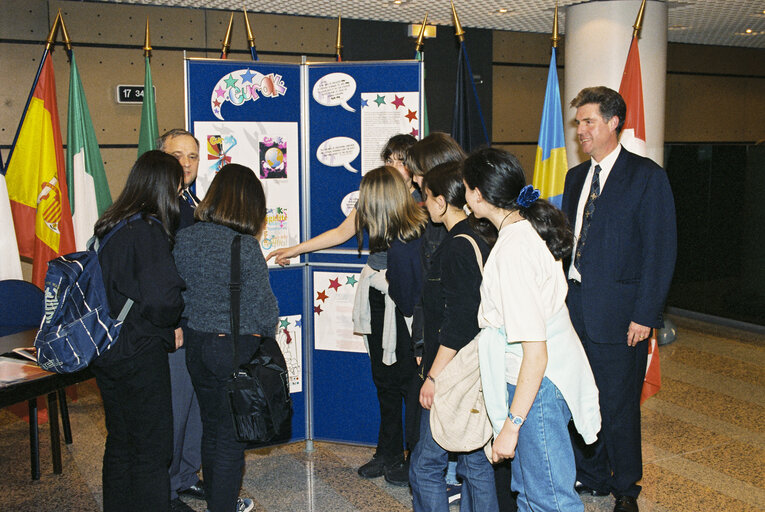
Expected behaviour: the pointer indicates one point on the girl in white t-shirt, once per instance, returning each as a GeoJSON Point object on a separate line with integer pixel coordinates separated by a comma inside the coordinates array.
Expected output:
{"type": "Point", "coordinates": [530, 348]}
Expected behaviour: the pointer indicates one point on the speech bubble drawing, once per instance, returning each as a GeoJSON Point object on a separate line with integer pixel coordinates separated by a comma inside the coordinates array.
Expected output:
{"type": "Point", "coordinates": [335, 89]}
{"type": "Point", "coordinates": [349, 202]}
{"type": "Point", "coordinates": [338, 151]}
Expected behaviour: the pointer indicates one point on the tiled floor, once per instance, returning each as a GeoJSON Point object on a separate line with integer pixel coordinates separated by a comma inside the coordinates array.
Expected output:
{"type": "Point", "coordinates": [703, 446]}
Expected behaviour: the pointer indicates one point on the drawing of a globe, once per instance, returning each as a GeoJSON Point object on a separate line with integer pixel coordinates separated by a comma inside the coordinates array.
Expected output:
{"type": "Point", "coordinates": [274, 157]}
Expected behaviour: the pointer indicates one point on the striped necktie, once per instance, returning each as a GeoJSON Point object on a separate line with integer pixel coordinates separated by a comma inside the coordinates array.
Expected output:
{"type": "Point", "coordinates": [589, 209]}
{"type": "Point", "coordinates": [188, 198]}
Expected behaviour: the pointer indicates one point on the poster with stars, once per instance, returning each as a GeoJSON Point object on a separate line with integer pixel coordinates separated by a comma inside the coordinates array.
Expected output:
{"type": "Point", "coordinates": [333, 296]}
{"type": "Point", "coordinates": [289, 336]}
{"type": "Point", "coordinates": [271, 150]}
{"type": "Point", "coordinates": [383, 115]}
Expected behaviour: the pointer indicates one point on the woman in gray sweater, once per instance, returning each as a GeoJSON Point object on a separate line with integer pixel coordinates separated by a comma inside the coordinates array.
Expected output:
{"type": "Point", "coordinates": [234, 204]}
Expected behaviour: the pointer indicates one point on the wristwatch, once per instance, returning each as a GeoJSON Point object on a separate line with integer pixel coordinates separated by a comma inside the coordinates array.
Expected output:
{"type": "Point", "coordinates": [516, 420]}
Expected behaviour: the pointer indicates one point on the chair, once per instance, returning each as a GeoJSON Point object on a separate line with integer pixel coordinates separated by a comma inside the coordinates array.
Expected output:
{"type": "Point", "coordinates": [23, 307]}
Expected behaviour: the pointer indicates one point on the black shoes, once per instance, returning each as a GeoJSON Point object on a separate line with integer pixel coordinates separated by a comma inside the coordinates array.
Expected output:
{"type": "Point", "coordinates": [580, 488]}
{"type": "Point", "coordinates": [398, 472]}
{"type": "Point", "coordinates": [373, 468]}
{"type": "Point", "coordinates": [625, 504]}
{"type": "Point", "coordinates": [195, 491]}
{"type": "Point", "coordinates": [177, 505]}
{"type": "Point", "coordinates": [395, 469]}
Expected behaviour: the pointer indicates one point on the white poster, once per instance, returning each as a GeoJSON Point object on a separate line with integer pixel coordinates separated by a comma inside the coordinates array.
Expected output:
{"type": "Point", "coordinates": [383, 115]}
{"type": "Point", "coordinates": [334, 293]}
{"type": "Point", "coordinates": [271, 150]}
{"type": "Point", "coordinates": [289, 336]}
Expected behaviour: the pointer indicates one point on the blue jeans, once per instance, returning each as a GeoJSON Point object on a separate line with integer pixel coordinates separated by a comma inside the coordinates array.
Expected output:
{"type": "Point", "coordinates": [428, 467]}
{"type": "Point", "coordinates": [544, 472]}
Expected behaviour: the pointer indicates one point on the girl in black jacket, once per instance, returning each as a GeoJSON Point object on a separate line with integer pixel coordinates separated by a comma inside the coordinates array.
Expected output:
{"type": "Point", "coordinates": [133, 375]}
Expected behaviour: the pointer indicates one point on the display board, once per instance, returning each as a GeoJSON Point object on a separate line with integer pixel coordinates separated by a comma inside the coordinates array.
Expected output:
{"type": "Point", "coordinates": [353, 109]}
{"type": "Point", "coordinates": [309, 132]}
{"type": "Point", "coordinates": [249, 113]}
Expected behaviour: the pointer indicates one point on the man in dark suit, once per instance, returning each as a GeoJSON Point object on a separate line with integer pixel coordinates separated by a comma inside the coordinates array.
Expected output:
{"type": "Point", "coordinates": [622, 212]}
{"type": "Point", "coordinates": [187, 424]}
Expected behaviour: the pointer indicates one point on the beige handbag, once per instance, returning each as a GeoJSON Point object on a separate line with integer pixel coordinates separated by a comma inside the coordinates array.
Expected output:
{"type": "Point", "coordinates": [458, 418]}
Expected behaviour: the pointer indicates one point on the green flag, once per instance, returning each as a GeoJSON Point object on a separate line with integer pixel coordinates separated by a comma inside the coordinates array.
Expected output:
{"type": "Point", "coordinates": [425, 125]}
{"type": "Point", "coordinates": [89, 192]}
{"type": "Point", "coordinates": [147, 139]}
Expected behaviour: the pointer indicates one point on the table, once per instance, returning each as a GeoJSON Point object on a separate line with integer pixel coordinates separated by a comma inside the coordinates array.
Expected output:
{"type": "Point", "coordinates": [34, 382]}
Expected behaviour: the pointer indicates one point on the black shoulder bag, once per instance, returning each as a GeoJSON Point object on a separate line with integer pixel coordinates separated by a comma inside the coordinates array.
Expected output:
{"type": "Point", "coordinates": [258, 391]}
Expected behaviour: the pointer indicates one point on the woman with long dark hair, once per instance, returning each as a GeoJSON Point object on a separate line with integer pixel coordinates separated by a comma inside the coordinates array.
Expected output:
{"type": "Point", "coordinates": [529, 350]}
{"type": "Point", "coordinates": [234, 205]}
{"type": "Point", "coordinates": [450, 303]}
{"type": "Point", "coordinates": [133, 375]}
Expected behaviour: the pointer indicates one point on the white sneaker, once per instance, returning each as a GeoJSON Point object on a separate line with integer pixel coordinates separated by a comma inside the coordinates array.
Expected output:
{"type": "Point", "coordinates": [244, 505]}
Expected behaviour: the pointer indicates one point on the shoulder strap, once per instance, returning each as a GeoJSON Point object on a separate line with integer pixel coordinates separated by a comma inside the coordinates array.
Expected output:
{"type": "Point", "coordinates": [235, 289]}
{"type": "Point", "coordinates": [478, 256]}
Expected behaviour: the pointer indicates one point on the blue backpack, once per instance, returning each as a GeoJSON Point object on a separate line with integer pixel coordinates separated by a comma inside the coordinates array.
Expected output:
{"type": "Point", "coordinates": [77, 326]}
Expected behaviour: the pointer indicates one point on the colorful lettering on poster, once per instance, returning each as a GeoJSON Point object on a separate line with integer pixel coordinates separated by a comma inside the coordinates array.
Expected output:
{"type": "Point", "coordinates": [243, 85]}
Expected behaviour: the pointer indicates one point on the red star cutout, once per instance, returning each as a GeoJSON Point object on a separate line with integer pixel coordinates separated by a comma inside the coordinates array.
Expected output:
{"type": "Point", "coordinates": [335, 283]}
{"type": "Point", "coordinates": [399, 102]}
{"type": "Point", "coordinates": [317, 309]}
{"type": "Point", "coordinates": [321, 296]}
{"type": "Point", "coordinates": [412, 115]}
{"type": "Point", "coordinates": [216, 103]}
{"type": "Point", "coordinates": [414, 132]}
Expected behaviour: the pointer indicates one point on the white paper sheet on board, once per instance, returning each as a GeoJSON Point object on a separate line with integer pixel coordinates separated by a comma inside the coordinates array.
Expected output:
{"type": "Point", "coordinates": [333, 297]}
{"type": "Point", "coordinates": [271, 150]}
{"type": "Point", "coordinates": [289, 336]}
{"type": "Point", "coordinates": [383, 115]}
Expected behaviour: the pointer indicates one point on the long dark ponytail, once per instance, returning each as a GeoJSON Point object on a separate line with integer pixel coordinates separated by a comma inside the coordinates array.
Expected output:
{"type": "Point", "coordinates": [500, 178]}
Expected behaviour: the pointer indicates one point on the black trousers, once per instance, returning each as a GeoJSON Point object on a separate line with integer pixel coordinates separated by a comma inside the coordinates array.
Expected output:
{"type": "Point", "coordinates": [139, 425]}
{"type": "Point", "coordinates": [393, 383]}
{"type": "Point", "coordinates": [614, 462]}
{"type": "Point", "coordinates": [209, 358]}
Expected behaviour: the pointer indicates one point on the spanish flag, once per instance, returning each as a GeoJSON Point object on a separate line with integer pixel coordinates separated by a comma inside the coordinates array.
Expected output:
{"type": "Point", "coordinates": [550, 164]}
{"type": "Point", "coordinates": [36, 180]}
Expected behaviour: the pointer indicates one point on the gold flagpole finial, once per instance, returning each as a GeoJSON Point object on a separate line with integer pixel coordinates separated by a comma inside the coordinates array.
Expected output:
{"type": "Point", "coordinates": [64, 32]}
{"type": "Point", "coordinates": [639, 20]}
{"type": "Point", "coordinates": [147, 41]}
{"type": "Point", "coordinates": [339, 39]}
{"type": "Point", "coordinates": [421, 36]}
{"type": "Point", "coordinates": [457, 26]}
{"type": "Point", "coordinates": [52, 34]}
{"type": "Point", "coordinates": [250, 37]}
{"type": "Point", "coordinates": [227, 38]}
{"type": "Point", "coordinates": [555, 37]}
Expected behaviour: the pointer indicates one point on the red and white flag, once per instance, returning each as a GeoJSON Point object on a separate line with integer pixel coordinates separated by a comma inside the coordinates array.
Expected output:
{"type": "Point", "coordinates": [633, 138]}
{"type": "Point", "coordinates": [631, 89]}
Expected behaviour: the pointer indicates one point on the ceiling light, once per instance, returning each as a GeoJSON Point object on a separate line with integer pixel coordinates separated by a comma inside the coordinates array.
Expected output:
{"type": "Point", "coordinates": [677, 27]}
{"type": "Point", "coordinates": [748, 31]}
{"type": "Point", "coordinates": [501, 11]}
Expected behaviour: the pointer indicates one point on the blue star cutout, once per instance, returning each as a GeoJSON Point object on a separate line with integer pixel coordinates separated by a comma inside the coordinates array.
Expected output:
{"type": "Point", "coordinates": [364, 103]}
{"type": "Point", "coordinates": [299, 323]}
{"type": "Point", "coordinates": [248, 76]}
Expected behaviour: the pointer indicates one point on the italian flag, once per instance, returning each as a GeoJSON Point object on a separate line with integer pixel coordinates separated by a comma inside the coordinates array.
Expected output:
{"type": "Point", "coordinates": [89, 192]}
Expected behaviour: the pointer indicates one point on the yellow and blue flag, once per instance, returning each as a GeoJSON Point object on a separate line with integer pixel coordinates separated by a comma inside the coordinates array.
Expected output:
{"type": "Point", "coordinates": [550, 164]}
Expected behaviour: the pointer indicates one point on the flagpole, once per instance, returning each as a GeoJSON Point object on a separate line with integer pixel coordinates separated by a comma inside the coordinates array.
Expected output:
{"type": "Point", "coordinates": [420, 44]}
{"type": "Point", "coordinates": [65, 33]}
{"type": "Point", "coordinates": [250, 37]}
{"type": "Point", "coordinates": [338, 41]}
{"type": "Point", "coordinates": [639, 21]}
{"type": "Point", "coordinates": [227, 38]}
{"type": "Point", "coordinates": [50, 42]}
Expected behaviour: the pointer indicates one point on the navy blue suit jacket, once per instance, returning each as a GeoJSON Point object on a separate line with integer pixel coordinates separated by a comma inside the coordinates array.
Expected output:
{"type": "Point", "coordinates": [629, 256]}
